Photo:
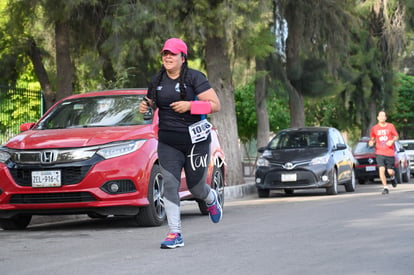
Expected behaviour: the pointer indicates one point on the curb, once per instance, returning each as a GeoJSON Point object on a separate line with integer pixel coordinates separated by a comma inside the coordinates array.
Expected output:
{"type": "Point", "coordinates": [232, 192]}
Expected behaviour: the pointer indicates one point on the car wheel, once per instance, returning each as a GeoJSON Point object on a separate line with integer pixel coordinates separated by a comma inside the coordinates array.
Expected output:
{"type": "Point", "coordinates": [333, 189]}
{"type": "Point", "coordinates": [217, 183]}
{"type": "Point", "coordinates": [406, 175]}
{"type": "Point", "coordinates": [18, 222]}
{"type": "Point", "coordinates": [350, 186]}
{"type": "Point", "coordinates": [398, 174]}
{"type": "Point", "coordinates": [154, 213]}
{"type": "Point", "coordinates": [263, 193]}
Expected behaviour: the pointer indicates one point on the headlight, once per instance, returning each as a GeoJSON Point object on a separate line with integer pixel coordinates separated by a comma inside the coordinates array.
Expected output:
{"type": "Point", "coordinates": [262, 162]}
{"type": "Point", "coordinates": [4, 156]}
{"type": "Point", "coordinates": [320, 160]}
{"type": "Point", "coordinates": [120, 149]}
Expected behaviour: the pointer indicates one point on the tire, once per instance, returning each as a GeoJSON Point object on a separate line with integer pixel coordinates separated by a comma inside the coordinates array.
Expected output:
{"type": "Point", "coordinates": [154, 213]}
{"type": "Point", "coordinates": [217, 183]}
{"type": "Point", "coordinates": [406, 176]}
{"type": "Point", "coordinates": [18, 222]}
{"type": "Point", "coordinates": [263, 193]}
{"type": "Point", "coordinates": [333, 190]}
{"type": "Point", "coordinates": [350, 186]}
{"type": "Point", "coordinates": [398, 174]}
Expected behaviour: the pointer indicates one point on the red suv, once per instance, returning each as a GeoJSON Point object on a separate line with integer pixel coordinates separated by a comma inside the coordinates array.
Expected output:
{"type": "Point", "coordinates": [366, 168]}
{"type": "Point", "coordinates": [91, 154]}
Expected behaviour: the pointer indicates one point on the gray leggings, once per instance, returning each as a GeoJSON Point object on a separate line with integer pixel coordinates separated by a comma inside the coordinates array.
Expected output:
{"type": "Point", "coordinates": [194, 158]}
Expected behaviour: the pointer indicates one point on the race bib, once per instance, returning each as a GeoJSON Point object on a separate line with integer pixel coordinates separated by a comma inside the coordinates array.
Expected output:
{"type": "Point", "coordinates": [200, 130]}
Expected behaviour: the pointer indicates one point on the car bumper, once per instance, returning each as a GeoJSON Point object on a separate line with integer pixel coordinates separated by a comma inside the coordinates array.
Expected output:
{"type": "Point", "coordinates": [276, 179]}
{"type": "Point", "coordinates": [366, 172]}
{"type": "Point", "coordinates": [86, 196]}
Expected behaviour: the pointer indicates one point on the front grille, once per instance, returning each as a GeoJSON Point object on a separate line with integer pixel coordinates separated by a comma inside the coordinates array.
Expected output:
{"type": "Point", "coordinates": [366, 161]}
{"type": "Point", "coordinates": [51, 198]}
{"type": "Point", "coordinates": [70, 175]}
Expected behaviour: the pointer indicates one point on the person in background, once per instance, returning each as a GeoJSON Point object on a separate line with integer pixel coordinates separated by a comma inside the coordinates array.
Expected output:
{"type": "Point", "coordinates": [183, 97]}
{"type": "Point", "coordinates": [383, 135]}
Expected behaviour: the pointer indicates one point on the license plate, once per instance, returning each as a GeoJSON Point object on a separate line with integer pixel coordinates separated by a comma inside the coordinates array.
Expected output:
{"type": "Point", "coordinates": [370, 168]}
{"type": "Point", "coordinates": [49, 178]}
{"type": "Point", "coordinates": [288, 177]}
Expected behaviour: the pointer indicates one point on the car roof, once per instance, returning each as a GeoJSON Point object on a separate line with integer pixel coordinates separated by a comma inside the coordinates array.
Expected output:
{"type": "Point", "coordinates": [406, 140]}
{"type": "Point", "coordinates": [307, 129]}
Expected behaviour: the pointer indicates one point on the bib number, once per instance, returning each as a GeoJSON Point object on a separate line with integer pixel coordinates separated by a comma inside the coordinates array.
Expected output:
{"type": "Point", "coordinates": [200, 130]}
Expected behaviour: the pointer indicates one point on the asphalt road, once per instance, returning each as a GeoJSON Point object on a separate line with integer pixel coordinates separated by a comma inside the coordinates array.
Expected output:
{"type": "Point", "coordinates": [306, 233]}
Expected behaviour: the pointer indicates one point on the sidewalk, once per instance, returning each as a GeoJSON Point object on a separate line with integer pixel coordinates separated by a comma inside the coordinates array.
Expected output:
{"type": "Point", "coordinates": [230, 193]}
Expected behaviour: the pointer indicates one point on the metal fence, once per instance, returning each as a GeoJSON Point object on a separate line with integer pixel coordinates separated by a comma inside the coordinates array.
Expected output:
{"type": "Point", "coordinates": [18, 105]}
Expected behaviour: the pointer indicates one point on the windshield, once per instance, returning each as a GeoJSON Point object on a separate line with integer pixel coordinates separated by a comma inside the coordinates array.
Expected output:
{"type": "Point", "coordinates": [115, 110]}
{"type": "Point", "coordinates": [299, 139]}
{"type": "Point", "coordinates": [363, 148]}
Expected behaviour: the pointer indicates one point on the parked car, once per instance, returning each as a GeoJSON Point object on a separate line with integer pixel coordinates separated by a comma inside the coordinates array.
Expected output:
{"type": "Point", "coordinates": [408, 145]}
{"type": "Point", "coordinates": [367, 169]}
{"type": "Point", "coordinates": [92, 154]}
{"type": "Point", "coordinates": [301, 158]}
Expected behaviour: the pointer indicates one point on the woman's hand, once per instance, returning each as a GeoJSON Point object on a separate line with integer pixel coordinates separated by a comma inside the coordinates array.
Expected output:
{"type": "Point", "coordinates": [144, 105]}
{"type": "Point", "coordinates": [181, 106]}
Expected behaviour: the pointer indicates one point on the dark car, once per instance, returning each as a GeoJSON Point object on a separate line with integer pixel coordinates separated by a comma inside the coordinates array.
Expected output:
{"type": "Point", "coordinates": [366, 169]}
{"type": "Point", "coordinates": [92, 154]}
{"type": "Point", "coordinates": [301, 158]}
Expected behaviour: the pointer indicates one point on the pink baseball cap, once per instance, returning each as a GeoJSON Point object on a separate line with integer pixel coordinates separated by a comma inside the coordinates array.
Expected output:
{"type": "Point", "coordinates": [175, 46]}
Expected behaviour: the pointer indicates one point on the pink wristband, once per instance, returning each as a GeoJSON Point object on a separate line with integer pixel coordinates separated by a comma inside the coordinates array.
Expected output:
{"type": "Point", "coordinates": [200, 107]}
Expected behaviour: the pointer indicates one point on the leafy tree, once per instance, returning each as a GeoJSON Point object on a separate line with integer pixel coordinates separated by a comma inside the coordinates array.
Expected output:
{"type": "Point", "coordinates": [246, 112]}
{"type": "Point", "coordinates": [403, 116]}
{"type": "Point", "coordinates": [316, 41]}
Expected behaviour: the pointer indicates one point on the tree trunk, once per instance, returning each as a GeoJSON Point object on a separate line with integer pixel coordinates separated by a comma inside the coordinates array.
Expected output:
{"type": "Point", "coordinates": [297, 113]}
{"type": "Point", "coordinates": [64, 67]}
{"type": "Point", "coordinates": [294, 68]}
{"type": "Point", "coordinates": [263, 130]}
{"type": "Point", "coordinates": [40, 71]}
{"type": "Point", "coordinates": [219, 73]}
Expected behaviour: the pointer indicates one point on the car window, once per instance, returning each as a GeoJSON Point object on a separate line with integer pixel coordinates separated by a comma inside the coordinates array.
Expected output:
{"type": "Point", "coordinates": [407, 145]}
{"type": "Point", "coordinates": [117, 110]}
{"type": "Point", "coordinates": [336, 137]}
{"type": "Point", "coordinates": [298, 139]}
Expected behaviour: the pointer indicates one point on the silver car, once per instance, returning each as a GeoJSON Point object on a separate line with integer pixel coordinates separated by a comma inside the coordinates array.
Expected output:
{"type": "Point", "coordinates": [408, 145]}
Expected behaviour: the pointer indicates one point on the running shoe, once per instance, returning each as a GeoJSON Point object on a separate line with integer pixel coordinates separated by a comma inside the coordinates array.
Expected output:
{"type": "Point", "coordinates": [385, 191]}
{"type": "Point", "coordinates": [173, 240]}
{"type": "Point", "coordinates": [215, 211]}
{"type": "Point", "coordinates": [394, 182]}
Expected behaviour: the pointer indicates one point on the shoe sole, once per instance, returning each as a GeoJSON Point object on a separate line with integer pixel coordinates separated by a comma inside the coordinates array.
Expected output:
{"type": "Point", "coordinates": [171, 246]}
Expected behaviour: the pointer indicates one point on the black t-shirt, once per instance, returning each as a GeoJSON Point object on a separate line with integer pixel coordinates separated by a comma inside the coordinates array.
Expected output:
{"type": "Point", "coordinates": [168, 91]}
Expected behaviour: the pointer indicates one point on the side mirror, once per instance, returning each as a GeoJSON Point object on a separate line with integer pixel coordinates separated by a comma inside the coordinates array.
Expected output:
{"type": "Point", "coordinates": [341, 146]}
{"type": "Point", "coordinates": [261, 149]}
{"type": "Point", "coordinates": [26, 126]}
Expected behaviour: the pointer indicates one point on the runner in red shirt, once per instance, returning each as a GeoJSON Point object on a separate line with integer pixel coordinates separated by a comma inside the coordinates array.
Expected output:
{"type": "Point", "coordinates": [383, 136]}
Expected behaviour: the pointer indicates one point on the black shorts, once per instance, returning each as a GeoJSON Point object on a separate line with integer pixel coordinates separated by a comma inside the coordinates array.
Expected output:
{"type": "Point", "coordinates": [386, 161]}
